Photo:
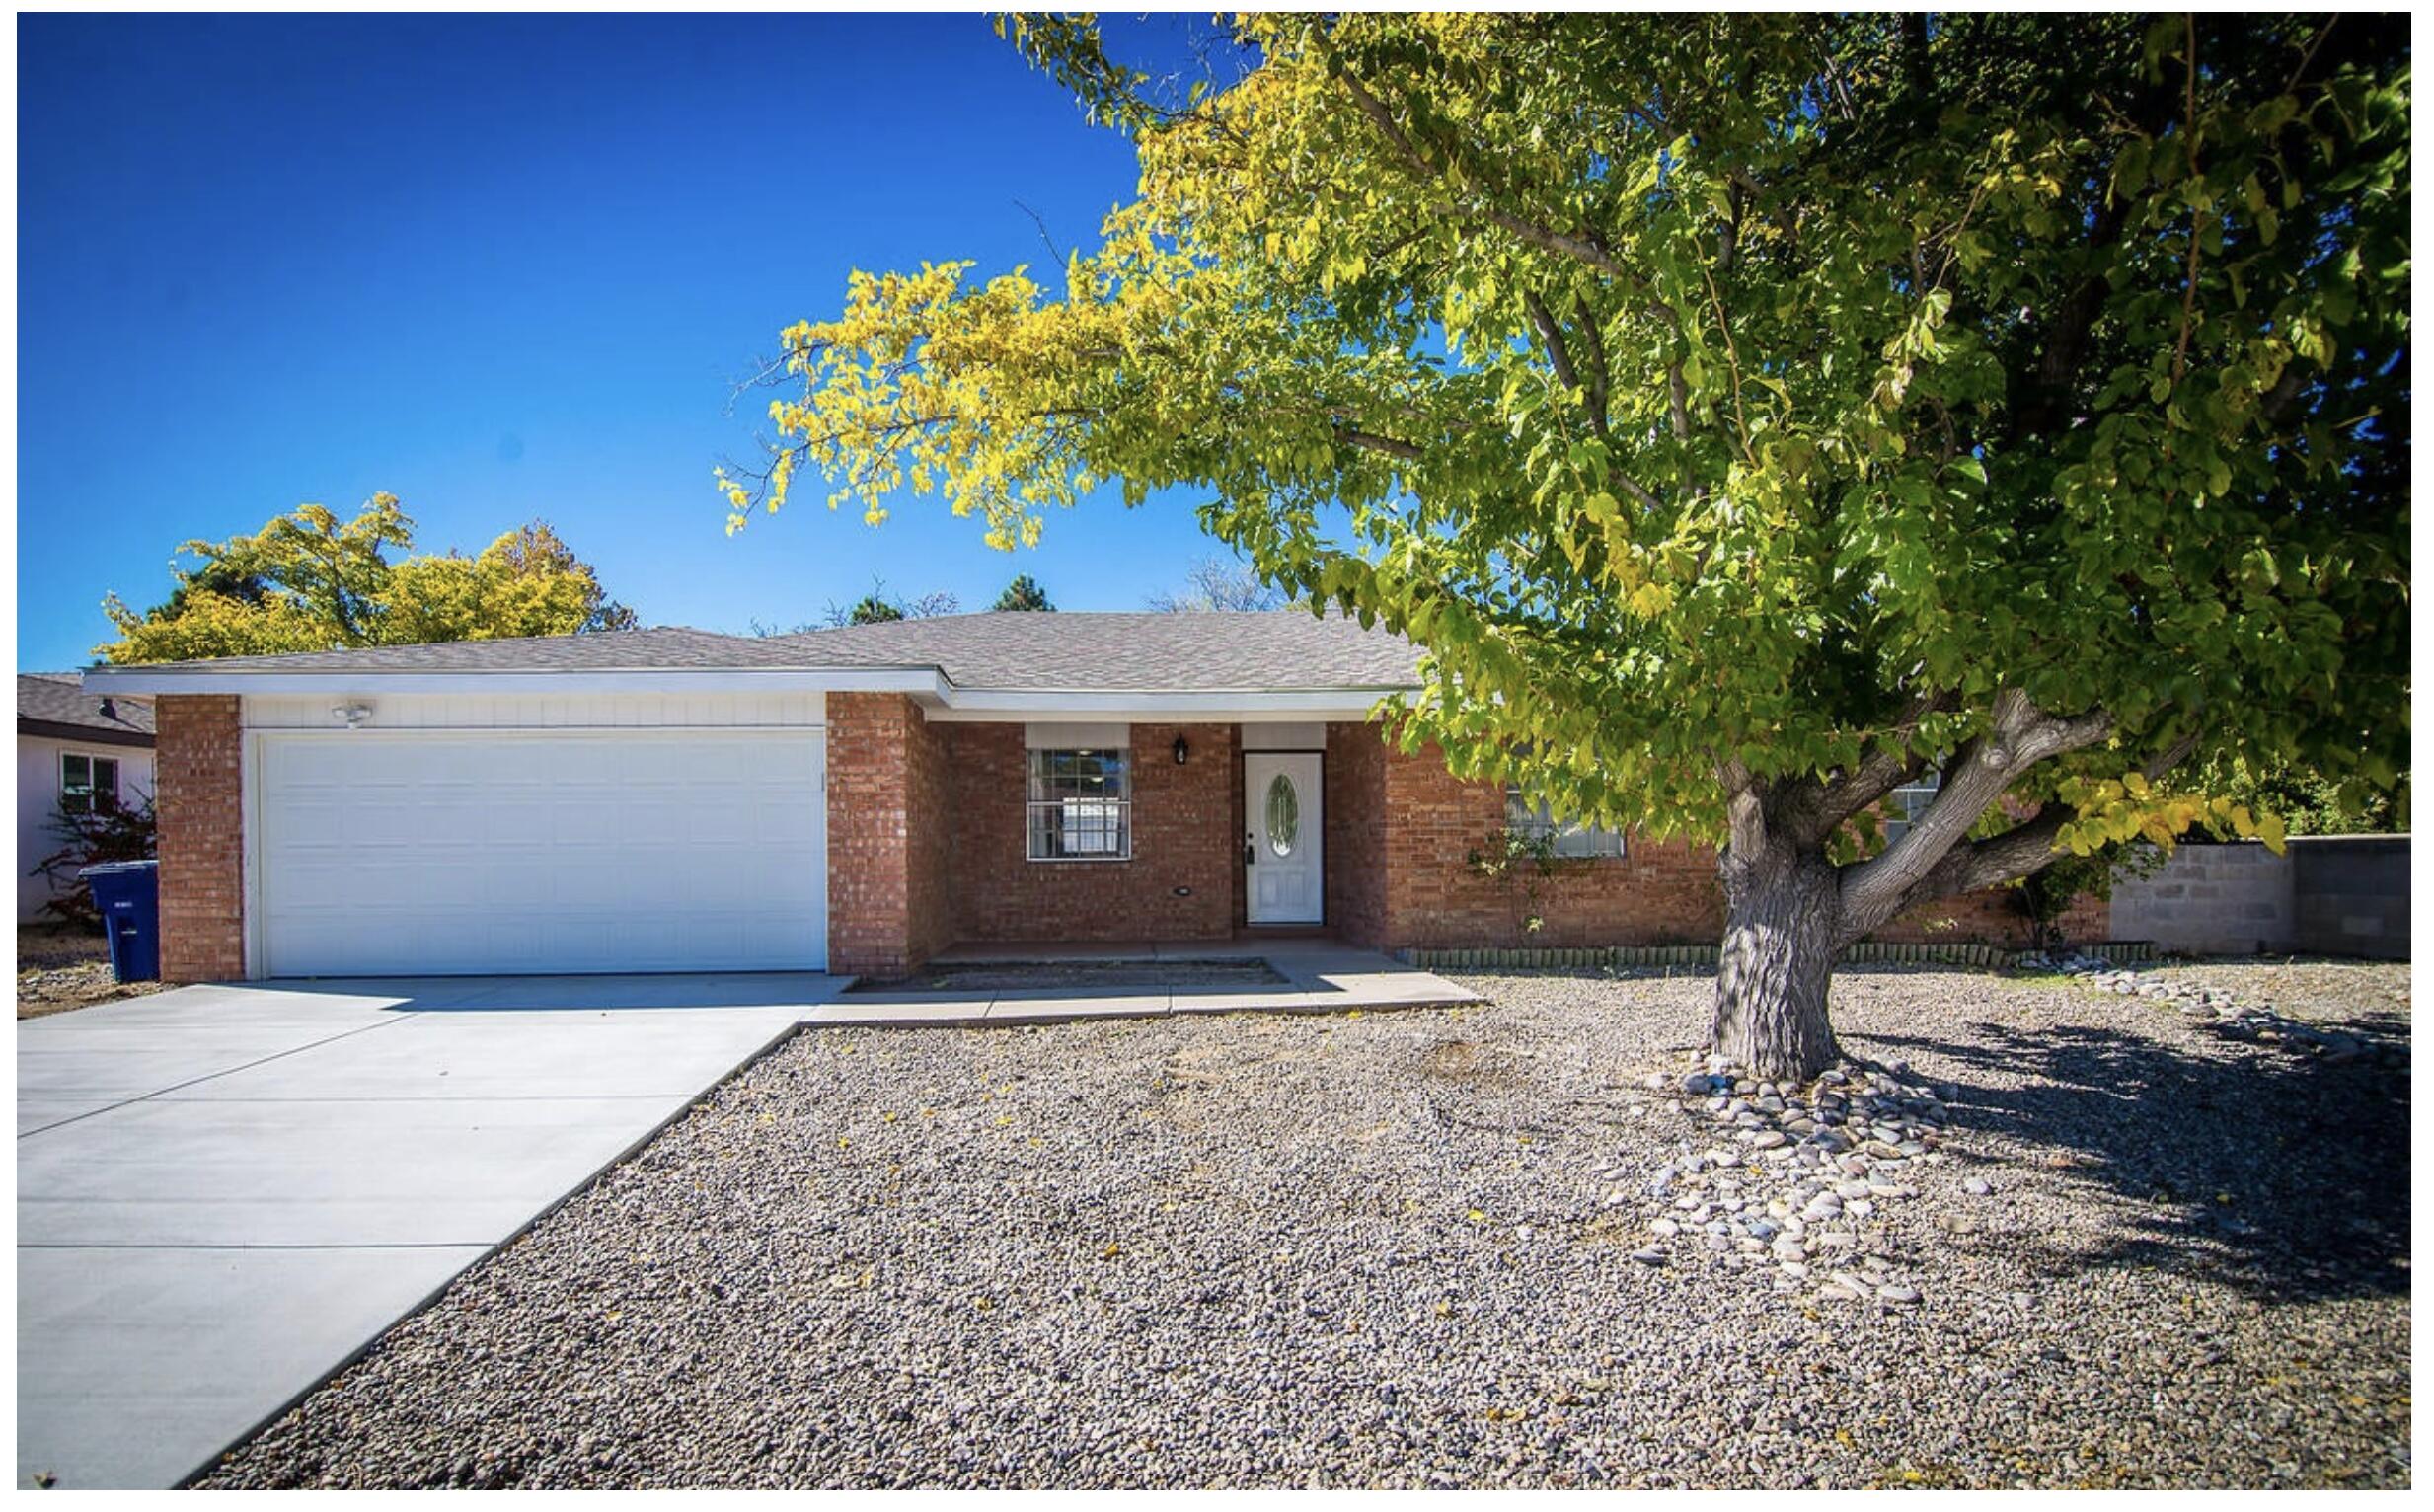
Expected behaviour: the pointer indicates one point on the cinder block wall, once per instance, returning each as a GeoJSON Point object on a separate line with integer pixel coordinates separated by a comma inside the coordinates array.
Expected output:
{"type": "Point", "coordinates": [2211, 899]}
{"type": "Point", "coordinates": [2327, 894]}
{"type": "Point", "coordinates": [198, 800]}
{"type": "Point", "coordinates": [2352, 894]}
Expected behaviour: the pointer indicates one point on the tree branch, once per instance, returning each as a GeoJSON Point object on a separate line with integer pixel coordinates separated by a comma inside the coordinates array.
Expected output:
{"type": "Point", "coordinates": [1745, 809]}
{"type": "Point", "coordinates": [2019, 736]}
{"type": "Point", "coordinates": [1559, 353]}
{"type": "Point", "coordinates": [1600, 374]}
{"type": "Point", "coordinates": [1387, 446]}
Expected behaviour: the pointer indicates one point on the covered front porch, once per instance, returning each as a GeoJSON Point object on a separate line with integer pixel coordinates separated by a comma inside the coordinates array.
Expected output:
{"type": "Point", "coordinates": [1133, 833]}
{"type": "Point", "coordinates": [1053, 981]}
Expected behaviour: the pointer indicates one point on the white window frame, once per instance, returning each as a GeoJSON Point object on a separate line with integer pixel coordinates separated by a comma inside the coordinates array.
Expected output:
{"type": "Point", "coordinates": [1047, 812]}
{"type": "Point", "coordinates": [1573, 840]}
{"type": "Point", "coordinates": [1909, 801]}
{"type": "Point", "coordinates": [92, 785]}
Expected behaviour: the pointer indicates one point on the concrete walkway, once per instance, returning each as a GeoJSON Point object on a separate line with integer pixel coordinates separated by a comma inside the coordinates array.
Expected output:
{"type": "Point", "coordinates": [1320, 976]}
{"type": "Point", "coordinates": [225, 1193]}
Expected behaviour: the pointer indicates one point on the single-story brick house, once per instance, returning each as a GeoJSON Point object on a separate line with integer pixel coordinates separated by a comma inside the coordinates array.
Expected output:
{"type": "Point", "coordinates": [853, 799]}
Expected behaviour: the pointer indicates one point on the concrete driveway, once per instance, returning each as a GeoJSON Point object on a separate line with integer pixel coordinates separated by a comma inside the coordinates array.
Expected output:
{"type": "Point", "coordinates": [223, 1193]}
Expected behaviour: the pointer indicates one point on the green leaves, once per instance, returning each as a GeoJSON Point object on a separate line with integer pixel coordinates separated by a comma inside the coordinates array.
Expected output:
{"type": "Point", "coordinates": [1679, 425]}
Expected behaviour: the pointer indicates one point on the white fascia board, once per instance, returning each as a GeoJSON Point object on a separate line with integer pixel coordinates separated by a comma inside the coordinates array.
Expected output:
{"type": "Point", "coordinates": [940, 699]}
{"type": "Point", "coordinates": [1238, 707]}
{"type": "Point", "coordinates": [924, 683]}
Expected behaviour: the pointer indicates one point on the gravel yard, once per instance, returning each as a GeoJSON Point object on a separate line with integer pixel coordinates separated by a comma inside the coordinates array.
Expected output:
{"type": "Point", "coordinates": [1397, 1250]}
{"type": "Point", "coordinates": [60, 967]}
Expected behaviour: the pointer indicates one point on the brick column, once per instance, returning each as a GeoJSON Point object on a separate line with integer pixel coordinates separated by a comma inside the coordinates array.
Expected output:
{"type": "Point", "coordinates": [198, 797]}
{"type": "Point", "coordinates": [887, 900]}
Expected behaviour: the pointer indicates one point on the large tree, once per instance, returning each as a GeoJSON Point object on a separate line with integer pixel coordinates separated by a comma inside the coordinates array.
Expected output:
{"type": "Point", "coordinates": [1747, 415]}
{"type": "Point", "coordinates": [309, 581]}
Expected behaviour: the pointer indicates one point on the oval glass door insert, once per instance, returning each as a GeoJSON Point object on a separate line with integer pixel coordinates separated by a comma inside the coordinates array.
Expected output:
{"type": "Point", "coordinates": [1285, 815]}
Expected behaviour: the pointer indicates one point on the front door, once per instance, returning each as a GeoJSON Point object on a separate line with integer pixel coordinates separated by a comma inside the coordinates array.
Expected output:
{"type": "Point", "coordinates": [1280, 843]}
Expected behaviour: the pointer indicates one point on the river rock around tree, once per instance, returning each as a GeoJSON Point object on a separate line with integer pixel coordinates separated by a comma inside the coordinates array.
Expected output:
{"type": "Point", "coordinates": [1406, 1249]}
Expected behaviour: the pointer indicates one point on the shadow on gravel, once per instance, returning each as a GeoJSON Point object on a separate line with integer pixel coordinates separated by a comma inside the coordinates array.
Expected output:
{"type": "Point", "coordinates": [2282, 1175]}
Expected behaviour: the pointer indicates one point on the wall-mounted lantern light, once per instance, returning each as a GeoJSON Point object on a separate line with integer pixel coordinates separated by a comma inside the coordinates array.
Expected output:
{"type": "Point", "coordinates": [1182, 750]}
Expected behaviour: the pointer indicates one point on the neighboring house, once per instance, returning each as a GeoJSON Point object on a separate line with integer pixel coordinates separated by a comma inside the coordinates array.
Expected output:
{"type": "Point", "coordinates": [74, 748]}
{"type": "Point", "coordinates": [854, 800]}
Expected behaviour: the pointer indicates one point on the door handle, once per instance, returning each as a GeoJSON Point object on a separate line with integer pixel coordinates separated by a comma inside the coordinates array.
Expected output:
{"type": "Point", "coordinates": [1251, 850]}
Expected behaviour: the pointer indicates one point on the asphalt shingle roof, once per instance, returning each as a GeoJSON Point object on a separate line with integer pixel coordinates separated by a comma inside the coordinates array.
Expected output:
{"type": "Point", "coordinates": [664, 648]}
{"type": "Point", "coordinates": [56, 698]}
{"type": "Point", "coordinates": [1073, 653]}
{"type": "Point", "coordinates": [1065, 651]}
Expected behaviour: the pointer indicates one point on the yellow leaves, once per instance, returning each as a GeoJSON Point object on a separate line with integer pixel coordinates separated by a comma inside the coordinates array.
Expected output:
{"type": "Point", "coordinates": [1111, 1252]}
{"type": "Point", "coordinates": [2269, 829]}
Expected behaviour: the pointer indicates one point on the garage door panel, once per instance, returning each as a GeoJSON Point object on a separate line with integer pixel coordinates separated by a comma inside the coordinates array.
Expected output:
{"type": "Point", "coordinates": [497, 851]}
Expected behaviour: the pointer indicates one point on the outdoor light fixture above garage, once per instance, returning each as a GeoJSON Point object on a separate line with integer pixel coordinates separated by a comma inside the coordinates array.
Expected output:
{"type": "Point", "coordinates": [353, 714]}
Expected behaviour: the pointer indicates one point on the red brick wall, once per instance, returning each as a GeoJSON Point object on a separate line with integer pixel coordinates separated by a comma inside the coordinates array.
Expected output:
{"type": "Point", "coordinates": [1354, 783]}
{"type": "Point", "coordinates": [930, 819]}
{"type": "Point", "coordinates": [1655, 894]}
{"type": "Point", "coordinates": [926, 849]}
{"type": "Point", "coordinates": [199, 797]}
{"type": "Point", "coordinates": [887, 835]}
{"type": "Point", "coordinates": [1658, 893]}
{"type": "Point", "coordinates": [1183, 836]}
{"type": "Point", "coordinates": [1990, 917]}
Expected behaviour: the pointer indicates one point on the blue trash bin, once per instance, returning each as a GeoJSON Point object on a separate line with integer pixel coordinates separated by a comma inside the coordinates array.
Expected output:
{"type": "Point", "coordinates": [129, 894]}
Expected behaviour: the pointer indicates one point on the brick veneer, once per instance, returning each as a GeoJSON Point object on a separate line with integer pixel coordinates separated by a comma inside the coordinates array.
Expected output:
{"type": "Point", "coordinates": [926, 827]}
{"type": "Point", "coordinates": [1658, 893]}
{"type": "Point", "coordinates": [1354, 859]}
{"type": "Point", "coordinates": [889, 840]}
{"type": "Point", "coordinates": [199, 797]}
{"type": "Point", "coordinates": [1183, 838]}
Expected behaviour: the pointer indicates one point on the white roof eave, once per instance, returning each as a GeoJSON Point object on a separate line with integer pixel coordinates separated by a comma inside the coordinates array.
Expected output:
{"type": "Point", "coordinates": [927, 685]}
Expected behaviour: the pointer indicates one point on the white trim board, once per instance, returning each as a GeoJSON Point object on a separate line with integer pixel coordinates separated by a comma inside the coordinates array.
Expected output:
{"type": "Point", "coordinates": [939, 697]}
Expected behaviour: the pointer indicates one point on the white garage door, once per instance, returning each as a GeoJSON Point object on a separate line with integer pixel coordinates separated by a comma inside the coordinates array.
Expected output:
{"type": "Point", "coordinates": [515, 852]}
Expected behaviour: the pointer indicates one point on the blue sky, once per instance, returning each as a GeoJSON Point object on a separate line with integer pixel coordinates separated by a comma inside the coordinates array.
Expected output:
{"type": "Point", "coordinates": [508, 267]}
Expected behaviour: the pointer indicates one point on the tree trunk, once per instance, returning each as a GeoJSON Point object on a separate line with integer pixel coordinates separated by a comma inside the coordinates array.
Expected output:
{"type": "Point", "coordinates": [1781, 919]}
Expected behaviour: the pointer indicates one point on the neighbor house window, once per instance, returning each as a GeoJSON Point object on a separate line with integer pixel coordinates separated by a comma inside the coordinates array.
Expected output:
{"type": "Point", "coordinates": [1906, 803]}
{"type": "Point", "coordinates": [1080, 805]}
{"type": "Point", "coordinates": [1533, 819]}
{"type": "Point", "coordinates": [88, 785]}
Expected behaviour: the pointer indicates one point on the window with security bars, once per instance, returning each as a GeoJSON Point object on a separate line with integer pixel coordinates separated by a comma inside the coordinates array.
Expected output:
{"type": "Point", "coordinates": [1524, 818]}
{"type": "Point", "coordinates": [1080, 805]}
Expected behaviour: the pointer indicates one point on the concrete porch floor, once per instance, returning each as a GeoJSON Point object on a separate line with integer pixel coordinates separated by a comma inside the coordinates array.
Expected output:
{"type": "Point", "coordinates": [1320, 976]}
